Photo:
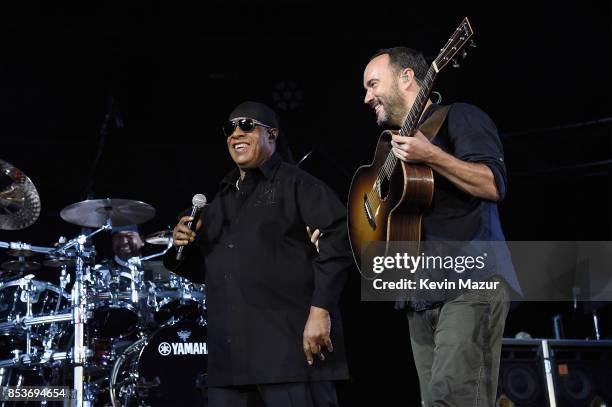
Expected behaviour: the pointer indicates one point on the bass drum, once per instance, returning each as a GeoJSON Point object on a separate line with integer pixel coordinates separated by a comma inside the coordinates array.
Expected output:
{"type": "Point", "coordinates": [165, 369]}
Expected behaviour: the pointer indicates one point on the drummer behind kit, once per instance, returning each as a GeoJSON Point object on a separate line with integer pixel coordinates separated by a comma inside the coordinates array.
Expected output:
{"type": "Point", "coordinates": [129, 334]}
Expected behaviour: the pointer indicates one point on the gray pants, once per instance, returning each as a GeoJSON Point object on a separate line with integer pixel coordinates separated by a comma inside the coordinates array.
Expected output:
{"type": "Point", "coordinates": [457, 347]}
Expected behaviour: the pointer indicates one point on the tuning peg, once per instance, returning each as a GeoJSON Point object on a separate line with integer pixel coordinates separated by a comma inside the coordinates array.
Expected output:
{"type": "Point", "coordinates": [455, 63]}
{"type": "Point", "coordinates": [472, 44]}
{"type": "Point", "coordinates": [464, 54]}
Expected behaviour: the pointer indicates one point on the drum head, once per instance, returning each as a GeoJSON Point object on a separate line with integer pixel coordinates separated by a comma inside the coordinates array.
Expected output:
{"type": "Point", "coordinates": [180, 310]}
{"type": "Point", "coordinates": [171, 364]}
{"type": "Point", "coordinates": [114, 320]}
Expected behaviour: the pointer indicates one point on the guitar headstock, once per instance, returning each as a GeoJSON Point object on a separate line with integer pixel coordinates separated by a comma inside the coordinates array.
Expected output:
{"type": "Point", "coordinates": [455, 43]}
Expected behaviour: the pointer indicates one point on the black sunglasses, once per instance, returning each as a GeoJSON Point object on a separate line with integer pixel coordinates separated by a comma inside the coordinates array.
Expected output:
{"type": "Point", "coordinates": [246, 125]}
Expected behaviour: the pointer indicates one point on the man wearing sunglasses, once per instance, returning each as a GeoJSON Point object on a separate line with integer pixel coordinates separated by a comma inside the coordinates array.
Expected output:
{"type": "Point", "coordinates": [275, 336]}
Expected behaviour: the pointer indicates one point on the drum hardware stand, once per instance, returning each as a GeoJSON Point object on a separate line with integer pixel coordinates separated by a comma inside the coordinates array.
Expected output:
{"type": "Point", "coordinates": [27, 296]}
{"type": "Point", "coordinates": [47, 319]}
{"type": "Point", "coordinates": [152, 256]}
{"type": "Point", "coordinates": [151, 295]}
{"type": "Point", "coordinates": [79, 310]}
{"type": "Point", "coordinates": [64, 280]}
{"type": "Point", "coordinates": [26, 247]}
{"type": "Point", "coordinates": [135, 267]}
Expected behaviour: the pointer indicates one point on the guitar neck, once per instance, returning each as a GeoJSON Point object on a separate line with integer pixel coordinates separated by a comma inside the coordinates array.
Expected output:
{"type": "Point", "coordinates": [455, 43]}
{"type": "Point", "coordinates": [419, 103]}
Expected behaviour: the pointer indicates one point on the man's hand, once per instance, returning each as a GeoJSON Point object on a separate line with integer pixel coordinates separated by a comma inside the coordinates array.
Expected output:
{"type": "Point", "coordinates": [182, 235]}
{"type": "Point", "coordinates": [314, 236]}
{"type": "Point", "coordinates": [316, 334]}
{"type": "Point", "coordinates": [416, 149]}
{"type": "Point", "coordinates": [476, 179]}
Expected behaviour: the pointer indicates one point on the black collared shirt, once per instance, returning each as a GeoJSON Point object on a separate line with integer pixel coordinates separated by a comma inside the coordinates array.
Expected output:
{"type": "Point", "coordinates": [262, 274]}
{"type": "Point", "coordinates": [470, 135]}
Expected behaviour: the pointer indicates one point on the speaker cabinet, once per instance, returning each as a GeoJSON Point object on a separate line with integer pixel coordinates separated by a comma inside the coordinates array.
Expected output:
{"type": "Point", "coordinates": [582, 372]}
{"type": "Point", "coordinates": [555, 373]}
{"type": "Point", "coordinates": [522, 379]}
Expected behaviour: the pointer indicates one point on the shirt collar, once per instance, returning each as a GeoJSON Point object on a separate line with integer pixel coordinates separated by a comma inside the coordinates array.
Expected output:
{"type": "Point", "coordinates": [267, 169]}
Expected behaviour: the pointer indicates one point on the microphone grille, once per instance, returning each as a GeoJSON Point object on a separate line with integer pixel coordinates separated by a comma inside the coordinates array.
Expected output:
{"type": "Point", "coordinates": [199, 200]}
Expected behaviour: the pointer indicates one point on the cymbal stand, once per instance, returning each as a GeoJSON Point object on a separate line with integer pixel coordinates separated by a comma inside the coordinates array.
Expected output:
{"type": "Point", "coordinates": [79, 304]}
{"type": "Point", "coordinates": [152, 256]}
{"type": "Point", "coordinates": [79, 314]}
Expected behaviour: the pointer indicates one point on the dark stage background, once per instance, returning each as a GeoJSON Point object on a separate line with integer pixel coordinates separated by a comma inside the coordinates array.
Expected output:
{"type": "Point", "coordinates": [174, 72]}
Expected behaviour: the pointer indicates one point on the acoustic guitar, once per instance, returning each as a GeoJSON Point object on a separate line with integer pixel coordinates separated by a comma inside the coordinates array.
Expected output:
{"type": "Point", "coordinates": [387, 197]}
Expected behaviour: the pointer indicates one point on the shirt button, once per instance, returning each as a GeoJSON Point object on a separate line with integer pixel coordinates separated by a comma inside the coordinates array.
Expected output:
{"type": "Point", "coordinates": [231, 245]}
{"type": "Point", "coordinates": [229, 340]}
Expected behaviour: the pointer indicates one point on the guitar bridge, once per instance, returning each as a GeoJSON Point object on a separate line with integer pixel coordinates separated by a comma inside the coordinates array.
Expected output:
{"type": "Point", "coordinates": [368, 212]}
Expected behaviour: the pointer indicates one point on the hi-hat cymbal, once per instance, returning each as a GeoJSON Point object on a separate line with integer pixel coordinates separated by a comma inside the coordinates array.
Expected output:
{"type": "Point", "coordinates": [20, 266]}
{"type": "Point", "coordinates": [19, 199]}
{"type": "Point", "coordinates": [95, 213]}
{"type": "Point", "coordinates": [162, 238]}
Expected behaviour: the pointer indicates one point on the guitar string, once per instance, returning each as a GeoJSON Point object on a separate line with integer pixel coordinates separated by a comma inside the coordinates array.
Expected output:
{"type": "Point", "coordinates": [389, 165]}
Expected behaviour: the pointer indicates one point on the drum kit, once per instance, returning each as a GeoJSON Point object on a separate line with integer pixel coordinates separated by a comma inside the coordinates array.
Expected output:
{"type": "Point", "coordinates": [118, 332]}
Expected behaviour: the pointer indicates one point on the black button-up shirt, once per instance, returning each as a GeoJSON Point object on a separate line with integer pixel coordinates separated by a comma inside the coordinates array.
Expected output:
{"type": "Point", "coordinates": [262, 274]}
{"type": "Point", "coordinates": [470, 135]}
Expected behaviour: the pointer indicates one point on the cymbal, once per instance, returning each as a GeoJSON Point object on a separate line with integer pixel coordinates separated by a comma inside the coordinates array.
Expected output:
{"type": "Point", "coordinates": [20, 266]}
{"type": "Point", "coordinates": [20, 252]}
{"type": "Point", "coordinates": [56, 262]}
{"type": "Point", "coordinates": [95, 213]}
{"type": "Point", "coordinates": [162, 238]}
{"type": "Point", "coordinates": [19, 199]}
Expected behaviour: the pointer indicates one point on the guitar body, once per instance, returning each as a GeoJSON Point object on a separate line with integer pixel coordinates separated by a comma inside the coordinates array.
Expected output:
{"type": "Point", "coordinates": [392, 211]}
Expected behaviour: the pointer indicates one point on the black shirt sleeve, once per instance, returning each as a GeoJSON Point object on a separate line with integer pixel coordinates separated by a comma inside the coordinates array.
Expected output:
{"type": "Point", "coordinates": [192, 265]}
{"type": "Point", "coordinates": [321, 209]}
{"type": "Point", "coordinates": [475, 139]}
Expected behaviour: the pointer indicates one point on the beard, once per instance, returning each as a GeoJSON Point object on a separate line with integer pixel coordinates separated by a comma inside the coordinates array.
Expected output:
{"type": "Point", "coordinates": [395, 108]}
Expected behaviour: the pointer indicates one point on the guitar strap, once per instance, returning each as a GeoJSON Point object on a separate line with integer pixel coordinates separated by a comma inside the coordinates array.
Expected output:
{"type": "Point", "coordinates": [433, 124]}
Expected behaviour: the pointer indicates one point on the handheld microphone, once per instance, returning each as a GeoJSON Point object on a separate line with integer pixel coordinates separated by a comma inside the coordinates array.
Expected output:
{"type": "Point", "coordinates": [198, 201]}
